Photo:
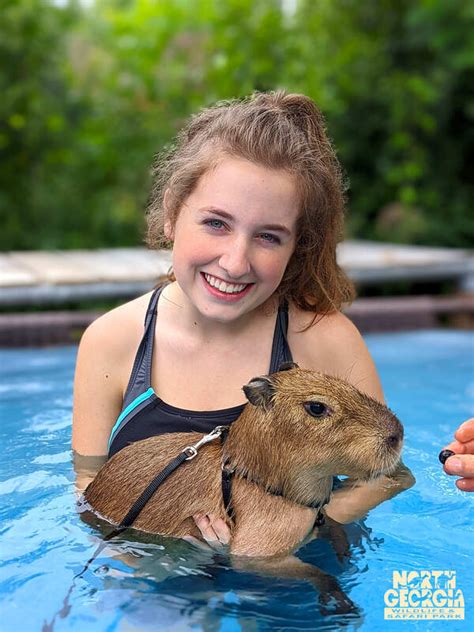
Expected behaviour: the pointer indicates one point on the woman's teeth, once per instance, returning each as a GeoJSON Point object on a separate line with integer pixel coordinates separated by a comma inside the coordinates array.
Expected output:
{"type": "Point", "coordinates": [222, 286]}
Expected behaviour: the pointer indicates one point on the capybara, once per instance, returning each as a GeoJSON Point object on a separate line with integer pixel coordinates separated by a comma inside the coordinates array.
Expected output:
{"type": "Point", "coordinates": [299, 429]}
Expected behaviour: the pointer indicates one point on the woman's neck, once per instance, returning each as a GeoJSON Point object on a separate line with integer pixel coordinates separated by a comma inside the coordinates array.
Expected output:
{"type": "Point", "coordinates": [196, 324]}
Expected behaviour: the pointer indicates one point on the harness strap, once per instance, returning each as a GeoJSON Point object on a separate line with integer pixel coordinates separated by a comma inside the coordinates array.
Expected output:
{"type": "Point", "coordinates": [186, 454]}
{"type": "Point", "coordinates": [228, 475]}
{"type": "Point", "coordinates": [320, 518]}
{"type": "Point", "coordinates": [226, 481]}
{"type": "Point", "coordinates": [148, 492]}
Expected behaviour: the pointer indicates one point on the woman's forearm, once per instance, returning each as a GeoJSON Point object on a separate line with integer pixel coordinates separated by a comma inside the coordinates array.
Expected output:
{"type": "Point", "coordinates": [355, 498]}
{"type": "Point", "coordinates": [86, 468]}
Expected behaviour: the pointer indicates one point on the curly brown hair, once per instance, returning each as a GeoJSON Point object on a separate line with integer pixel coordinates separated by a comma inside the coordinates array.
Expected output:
{"type": "Point", "coordinates": [278, 131]}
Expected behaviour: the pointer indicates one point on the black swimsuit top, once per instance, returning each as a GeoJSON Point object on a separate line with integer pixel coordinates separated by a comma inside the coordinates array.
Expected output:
{"type": "Point", "coordinates": [145, 415]}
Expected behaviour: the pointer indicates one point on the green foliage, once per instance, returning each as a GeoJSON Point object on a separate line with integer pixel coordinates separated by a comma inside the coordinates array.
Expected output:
{"type": "Point", "coordinates": [397, 90]}
{"type": "Point", "coordinates": [36, 111]}
{"type": "Point", "coordinates": [91, 94]}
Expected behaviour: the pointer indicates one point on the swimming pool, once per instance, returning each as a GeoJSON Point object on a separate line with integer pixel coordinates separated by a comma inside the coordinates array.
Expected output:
{"type": "Point", "coordinates": [166, 584]}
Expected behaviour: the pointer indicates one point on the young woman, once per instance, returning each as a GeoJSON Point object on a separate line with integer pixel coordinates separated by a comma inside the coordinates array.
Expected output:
{"type": "Point", "coordinates": [251, 199]}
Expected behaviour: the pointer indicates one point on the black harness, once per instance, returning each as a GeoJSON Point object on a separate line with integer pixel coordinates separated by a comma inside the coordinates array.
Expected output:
{"type": "Point", "coordinates": [227, 476]}
{"type": "Point", "coordinates": [187, 454]}
{"type": "Point", "coordinates": [226, 480]}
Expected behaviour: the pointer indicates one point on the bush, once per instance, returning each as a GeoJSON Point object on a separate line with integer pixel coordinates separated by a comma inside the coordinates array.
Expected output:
{"type": "Point", "coordinates": [91, 94]}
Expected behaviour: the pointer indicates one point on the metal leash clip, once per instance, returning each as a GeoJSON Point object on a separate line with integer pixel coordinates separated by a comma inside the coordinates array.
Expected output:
{"type": "Point", "coordinates": [192, 450]}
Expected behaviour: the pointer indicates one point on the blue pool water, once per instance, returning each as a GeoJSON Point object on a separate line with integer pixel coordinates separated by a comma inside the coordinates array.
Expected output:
{"type": "Point", "coordinates": [167, 584]}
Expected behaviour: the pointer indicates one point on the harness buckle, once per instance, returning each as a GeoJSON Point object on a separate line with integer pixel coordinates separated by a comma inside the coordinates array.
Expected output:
{"type": "Point", "coordinates": [191, 450]}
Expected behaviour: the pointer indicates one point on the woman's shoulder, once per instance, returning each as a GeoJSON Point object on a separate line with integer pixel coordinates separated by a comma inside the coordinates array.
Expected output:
{"type": "Point", "coordinates": [104, 361]}
{"type": "Point", "coordinates": [332, 328]}
{"type": "Point", "coordinates": [333, 344]}
{"type": "Point", "coordinates": [119, 329]}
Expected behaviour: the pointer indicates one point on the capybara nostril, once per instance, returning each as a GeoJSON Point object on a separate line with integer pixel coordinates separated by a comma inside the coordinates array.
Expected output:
{"type": "Point", "coordinates": [394, 440]}
{"type": "Point", "coordinates": [395, 433]}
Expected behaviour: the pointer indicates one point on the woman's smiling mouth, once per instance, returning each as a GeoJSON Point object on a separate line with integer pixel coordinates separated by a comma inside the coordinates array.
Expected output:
{"type": "Point", "coordinates": [223, 289]}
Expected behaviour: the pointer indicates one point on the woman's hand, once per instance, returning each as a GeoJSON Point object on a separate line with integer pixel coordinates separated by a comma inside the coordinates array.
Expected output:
{"type": "Point", "coordinates": [462, 463]}
{"type": "Point", "coordinates": [213, 530]}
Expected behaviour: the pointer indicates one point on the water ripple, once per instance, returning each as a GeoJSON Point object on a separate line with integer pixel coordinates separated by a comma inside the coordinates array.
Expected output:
{"type": "Point", "coordinates": [47, 459]}
{"type": "Point", "coordinates": [35, 480]}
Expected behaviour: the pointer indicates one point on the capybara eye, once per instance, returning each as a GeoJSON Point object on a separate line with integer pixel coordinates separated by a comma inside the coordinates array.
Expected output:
{"type": "Point", "coordinates": [317, 409]}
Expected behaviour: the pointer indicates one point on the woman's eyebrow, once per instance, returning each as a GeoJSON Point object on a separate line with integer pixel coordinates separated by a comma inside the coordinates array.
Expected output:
{"type": "Point", "coordinates": [220, 213]}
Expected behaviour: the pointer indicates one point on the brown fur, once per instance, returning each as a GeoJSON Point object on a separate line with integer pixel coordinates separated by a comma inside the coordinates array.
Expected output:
{"type": "Point", "coordinates": [276, 445]}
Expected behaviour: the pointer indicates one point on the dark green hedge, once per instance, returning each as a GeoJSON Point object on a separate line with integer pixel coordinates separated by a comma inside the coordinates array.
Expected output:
{"type": "Point", "coordinates": [90, 95]}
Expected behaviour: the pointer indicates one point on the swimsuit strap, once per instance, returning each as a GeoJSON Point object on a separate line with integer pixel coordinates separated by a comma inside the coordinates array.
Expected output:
{"type": "Point", "coordinates": [280, 349]}
{"type": "Point", "coordinates": [140, 378]}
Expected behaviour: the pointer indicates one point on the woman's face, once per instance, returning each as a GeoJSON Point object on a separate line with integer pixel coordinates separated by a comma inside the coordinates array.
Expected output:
{"type": "Point", "coordinates": [234, 237]}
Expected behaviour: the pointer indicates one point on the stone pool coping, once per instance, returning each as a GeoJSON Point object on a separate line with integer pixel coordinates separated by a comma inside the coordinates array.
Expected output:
{"type": "Point", "coordinates": [49, 279]}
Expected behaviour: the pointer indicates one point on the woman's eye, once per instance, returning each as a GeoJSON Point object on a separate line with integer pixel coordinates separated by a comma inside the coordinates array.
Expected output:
{"type": "Point", "coordinates": [272, 239]}
{"type": "Point", "coordinates": [214, 223]}
{"type": "Point", "coordinates": [317, 409]}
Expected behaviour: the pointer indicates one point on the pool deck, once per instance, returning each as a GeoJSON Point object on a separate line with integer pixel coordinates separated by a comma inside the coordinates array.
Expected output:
{"type": "Point", "coordinates": [54, 279]}
{"type": "Point", "coordinates": [57, 277]}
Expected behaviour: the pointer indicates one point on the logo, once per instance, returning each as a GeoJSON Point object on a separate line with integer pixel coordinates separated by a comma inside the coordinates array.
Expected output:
{"type": "Point", "coordinates": [424, 595]}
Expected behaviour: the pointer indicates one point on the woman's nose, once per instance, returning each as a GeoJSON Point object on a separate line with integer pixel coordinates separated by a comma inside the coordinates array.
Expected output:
{"type": "Point", "coordinates": [235, 260]}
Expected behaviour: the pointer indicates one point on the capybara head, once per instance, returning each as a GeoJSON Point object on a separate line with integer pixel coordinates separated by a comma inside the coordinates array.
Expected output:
{"type": "Point", "coordinates": [307, 422]}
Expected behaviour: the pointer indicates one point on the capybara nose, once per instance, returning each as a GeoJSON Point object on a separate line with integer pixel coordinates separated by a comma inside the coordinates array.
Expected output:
{"type": "Point", "coordinates": [395, 436]}
{"type": "Point", "coordinates": [394, 440]}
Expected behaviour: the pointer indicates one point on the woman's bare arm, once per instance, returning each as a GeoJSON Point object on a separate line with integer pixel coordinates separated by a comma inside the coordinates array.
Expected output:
{"type": "Point", "coordinates": [86, 468]}
{"type": "Point", "coordinates": [97, 388]}
{"type": "Point", "coordinates": [104, 363]}
{"type": "Point", "coordinates": [355, 498]}
{"type": "Point", "coordinates": [97, 399]}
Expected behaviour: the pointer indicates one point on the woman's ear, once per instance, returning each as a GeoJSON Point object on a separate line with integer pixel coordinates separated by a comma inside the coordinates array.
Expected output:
{"type": "Point", "coordinates": [168, 226]}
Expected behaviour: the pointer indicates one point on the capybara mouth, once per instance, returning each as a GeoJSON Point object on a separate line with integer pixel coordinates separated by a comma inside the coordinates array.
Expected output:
{"type": "Point", "coordinates": [390, 449]}
{"type": "Point", "coordinates": [386, 465]}
{"type": "Point", "coordinates": [382, 460]}
{"type": "Point", "coordinates": [373, 454]}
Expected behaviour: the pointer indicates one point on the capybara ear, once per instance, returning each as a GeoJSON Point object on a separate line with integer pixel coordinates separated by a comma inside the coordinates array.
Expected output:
{"type": "Point", "coordinates": [260, 391]}
{"type": "Point", "coordinates": [286, 366]}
